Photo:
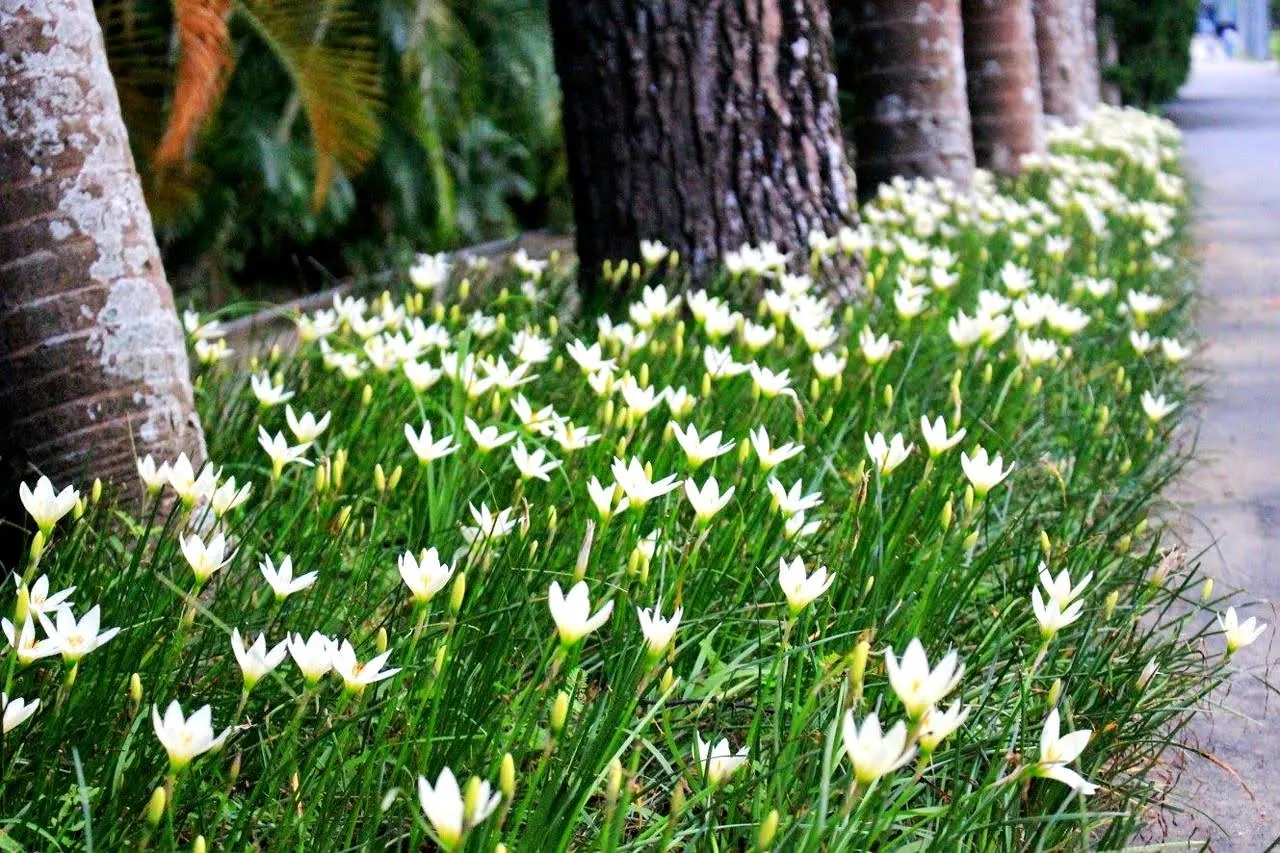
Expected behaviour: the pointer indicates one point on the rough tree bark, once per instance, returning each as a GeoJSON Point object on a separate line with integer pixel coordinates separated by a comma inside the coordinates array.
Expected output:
{"type": "Point", "coordinates": [1058, 43]}
{"type": "Point", "coordinates": [704, 125]}
{"type": "Point", "coordinates": [1090, 91]}
{"type": "Point", "coordinates": [907, 75]}
{"type": "Point", "coordinates": [1003, 75]}
{"type": "Point", "coordinates": [93, 366]}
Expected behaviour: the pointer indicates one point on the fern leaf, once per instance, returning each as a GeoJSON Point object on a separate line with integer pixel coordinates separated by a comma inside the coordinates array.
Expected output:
{"type": "Point", "coordinates": [204, 65]}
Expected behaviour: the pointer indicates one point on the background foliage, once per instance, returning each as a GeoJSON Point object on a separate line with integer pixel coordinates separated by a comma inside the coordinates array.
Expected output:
{"type": "Point", "coordinates": [1154, 43]}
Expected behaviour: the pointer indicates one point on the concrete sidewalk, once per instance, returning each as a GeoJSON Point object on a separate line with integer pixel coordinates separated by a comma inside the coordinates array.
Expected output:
{"type": "Point", "coordinates": [1230, 113]}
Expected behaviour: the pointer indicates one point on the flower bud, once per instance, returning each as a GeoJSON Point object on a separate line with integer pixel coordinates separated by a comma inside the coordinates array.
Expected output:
{"type": "Point", "coordinates": [339, 467]}
{"type": "Point", "coordinates": [379, 478]}
{"type": "Point", "coordinates": [827, 416]}
{"type": "Point", "coordinates": [135, 689]}
{"type": "Point", "coordinates": [1046, 547]}
{"type": "Point", "coordinates": [507, 777]}
{"type": "Point", "coordinates": [668, 680]}
{"type": "Point", "coordinates": [553, 518]}
{"type": "Point", "coordinates": [858, 664]}
{"type": "Point", "coordinates": [888, 395]}
{"type": "Point", "coordinates": [437, 663]}
{"type": "Point", "coordinates": [344, 516]}
{"type": "Point", "coordinates": [1206, 591]}
{"type": "Point", "coordinates": [381, 641]}
{"type": "Point", "coordinates": [553, 328]}
{"type": "Point", "coordinates": [1144, 677]}
{"type": "Point", "coordinates": [464, 289]}
{"type": "Point", "coordinates": [559, 712]}
{"type": "Point", "coordinates": [1055, 692]}
{"type": "Point", "coordinates": [1141, 527]}
{"type": "Point", "coordinates": [458, 592]}
{"type": "Point", "coordinates": [948, 510]}
{"type": "Point", "coordinates": [968, 499]}
{"type": "Point", "coordinates": [971, 541]}
{"type": "Point", "coordinates": [366, 395]}
{"type": "Point", "coordinates": [1109, 603]}
{"type": "Point", "coordinates": [233, 773]}
{"type": "Point", "coordinates": [155, 806]}
{"type": "Point", "coordinates": [706, 384]}
{"type": "Point", "coordinates": [471, 799]}
{"type": "Point", "coordinates": [987, 374]}
{"type": "Point", "coordinates": [95, 494]}
{"type": "Point", "coordinates": [1125, 465]}
{"type": "Point", "coordinates": [322, 477]}
{"type": "Point", "coordinates": [1125, 543]}
{"type": "Point", "coordinates": [768, 830]}
{"type": "Point", "coordinates": [37, 547]}
{"type": "Point", "coordinates": [1036, 385]}
{"type": "Point", "coordinates": [394, 479]}
{"type": "Point", "coordinates": [199, 845]}
{"type": "Point", "coordinates": [613, 784]}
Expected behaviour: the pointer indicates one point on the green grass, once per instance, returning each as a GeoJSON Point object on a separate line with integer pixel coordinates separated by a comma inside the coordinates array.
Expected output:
{"type": "Point", "coordinates": [913, 554]}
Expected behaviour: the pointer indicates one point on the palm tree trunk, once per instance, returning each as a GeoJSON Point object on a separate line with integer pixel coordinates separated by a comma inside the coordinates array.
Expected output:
{"type": "Point", "coordinates": [93, 365]}
{"type": "Point", "coordinates": [1090, 92]}
{"type": "Point", "coordinates": [907, 75]}
{"type": "Point", "coordinates": [1058, 43]}
{"type": "Point", "coordinates": [1003, 75]}
{"type": "Point", "coordinates": [704, 125]}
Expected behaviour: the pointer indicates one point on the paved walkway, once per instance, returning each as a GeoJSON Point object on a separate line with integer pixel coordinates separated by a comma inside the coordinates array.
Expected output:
{"type": "Point", "coordinates": [1230, 114]}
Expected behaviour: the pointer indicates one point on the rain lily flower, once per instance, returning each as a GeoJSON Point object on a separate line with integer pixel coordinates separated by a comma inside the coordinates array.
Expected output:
{"type": "Point", "coordinates": [227, 497]}
{"type": "Point", "coordinates": [769, 384]}
{"type": "Point", "coordinates": [640, 400]}
{"type": "Point", "coordinates": [24, 642]}
{"type": "Point", "coordinates": [256, 660]}
{"type": "Point", "coordinates": [204, 559]}
{"type": "Point", "coordinates": [571, 437]}
{"type": "Point", "coordinates": [306, 428]}
{"type": "Point", "coordinates": [189, 487]}
{"type": "Point", "coordinates": [450, 815]}
{"type": "Point", "coordinates": [281, 579]}
{"type": "Point", "coordinates": [699, 450]}
{"type": "Point", "coordinates": [1239, 634]}
{"type": "Point", "coordinates": [281, 454]}
{"type": "Point", "coordinates": [608, 500]}
{"type": "Point", "coordinates": [708, 500]}
{"type": "Point", "coordinates": [770, 457]}
{"type": "Point", "coordinates": [1156, 408]}
{"type": "Point", "coordinates": [357, 676]}
{"type": "Point", "coordinates": [153, 477]}
{"type": "Point", "coordinates": [16, 711]}
{"type": "Point", "coordinates": [541, 421]}
{"type": "Point", "coordinates": [425, 448]}
{"type": "Point", "coordinates": [720, 364]}
{"type": "Point", "coordinates": [1052, 616]}
{"type": "Point", "coordinates": [1059, 589]}
{"type": "Point", "coordinates": [680, 402]}
{"type": "Point", "coordinates": [46, 505]}
{"type": "Point", "coordinates": [638, 485]}
{"type": "Point", "coordinates": [488, 525]}
{"type": "Point", "coordinates": [800, 587]}
{"type": "Point", "coordinates": [658, 632]}
{"type": "Point", "coordinates": [1058, 751]}
{"type": "Point", "coordinates": [936, 726]}
{"type": "Point", "coordinates": [795, 527]}
{"type": "Point", "coordinates": [572, 613]}
{"type": "Point", "coordinates": [983, 472]}
{"type": "Point", "coordinates": [590, 358]}
{"type": "Point", "coordinates": [37, 597]}
{"type": "Point", "coordinates": [917, 686]}
{"type": "Point", "coordinates": [1141, 342]}
{"type": "Point", "coordinates": [886, 456]}
{"type": "Point", "coordinates": [76, 638]}
{"type": "Point", "coordinates": [422, 376]}
{"type": "Point", "coordinates": [791, 501]}
{"type": "Point", "coordinates": [268, 394]}
{"type": "Point", "coordinates": [1174, 351]}
{"type": "Point", "coordinates": [873, 752]}
{"type": "Point", "coordinates": [935, 435]}
{"type": "Point", "coordinates": [874, 349]}
{"type": "Point", "coordinates": [425, 575]}
{"type": "Point", "coordinates": [185, 738]}
{"type": "Point", "coordinates": [533, 465]}
{"type": "Point", "coordinates": [653, 252]}
{"type": "Point", "coordinates": [1143, 304]}
{"type": "Point", "coordinates": [430, 271]}
{"type": "Point", "coordinates": [313, 656]}
{"type": "Point", "coordinates": [488, 438]}
{"type": "Point", "coordinates": [828, 365]}
{"type": "Point", "coordinates": [718, 762]}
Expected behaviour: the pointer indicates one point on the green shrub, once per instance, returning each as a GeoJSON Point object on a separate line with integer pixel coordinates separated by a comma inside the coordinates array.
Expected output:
{"type": "Point", "coordinates": [1154, 45]}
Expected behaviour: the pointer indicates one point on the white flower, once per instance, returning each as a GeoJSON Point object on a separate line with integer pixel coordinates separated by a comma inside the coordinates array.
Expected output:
{"type": "Point", "coordinates": [541, 421]}
{"type": "Point", "coordinates": [425, 448]}
{"type": "Point", "coordinates": [306, 429]}
{"type": "Point", "coordinates": [189, 487]}
{"type": "Point", "coordinates": [1059, 589]}
{"type": "Point", "coordinates": [256, 660]}
{"type": "Point", "coordinates": [1035, 351]}
{"type": "Point", "coordinates": [1052, 616]}
{"type": "Point", "coordinates": [572, 613]}
{"type": "Point", "coordinates": [828, 365]}
{"type": "Point", "coordinates": [153, 477]}
{"type": "Point", "coordinates": [886, 455]}
{"type": "Point", "coordinates": [641, 400]}
{"type": "Point", "coordinates": [185, 738]}
{"type": "Point", "coordinates": [769, 384]}
{"type": "Point", "coordinates": [917, 686]}
{"type": "Point", "coordinates": [488, 526]}
{"type": "Point", "coordinates": [1239, 634]}
{"type": "Point", "coordinates": [964, 330]}
{"type": "Point", "coordinates": [679, 401]}
{"type": "Point", "coordinates": [608, 500]}
{"type": "Point", "coordinates": [638, 485]}
{"type": "Point", "coordinates": [281, 579]}
{"type": "Point", "coordinates": [1141, 341]}
{"type": "Point", "coordinates": [75, 639]}
{"type": "Point", "coordinates": [488, 438]}
{"type": "Point", "coordinates": [204, 559]}
{"type": "Point", "coordinates": [720, 364]}
{"type": "Point", "coordinates": [793, 501]}
{"type": "Point", "coordinates": [357, 676]}
{"type": "Point", "coordinates": [874, 349]}
{"type": "Point", "coordinates": [533, 465]}
{"type": "Point", "coordinates": [227, 497]}
{"type": "Point", "coordinates": [658, 632]}
{"type": "Point", "coordinates": [936, 726]}
{"type": "Point", "coordinates": [45, 505]}
{"type": "Point", "coordinates": [430, 271]}
{"type": "Point", "coordinates": [769, 456]}
{"type": "Point", "coordinates": [1156, 408]}
{"type": "Point", "coordinates": [16, 711]}
{"type": "Point", "coordinates": [985, 473]}
{"type": "Point", "coordinates": [313, 656]}
{"type": "Point", "coordinates": [531, 267]}
{"type": "Point", "coordinates": [268, 394]}
{"type": "Point", "coordinates": [571, 437]}
{"type": "Point", "coordinates": [908, 301]}
{"type": "Point", "coordinates": [1015, 279]}
{"type": "Point", "coordinates": [935, 435]}
{"type": "Point", "coordinates": [590, 358]}
{"type": "Point", "coordinates": [699, 450]}
{"type": "Point", "coordinates": [421, 375]}
{"type": "Point", "coordinates": [1142, 304]}
{"type": "Point", "coordinates": [24, 642]}
{"type": "Point", "coordinates": [756, 337]}
{"type": "Point", "coordinates": [1057, 751]}
{"type": "Point", "coordinates": [795, 527]}
{"type": "Point", "coordinates": [1066, 319]}
{"type": "Point", "coordinates": [708, 500]}
{"type": "Point", "coordinates": [280, 453]}
{"type": "Point", "coordinates": [1174, 351]}
{"type": "Point", "coordinates": [801, 588]}
{"type": "Point", "coordinates": [446, 809]}
{"type": "Point", "coordinates": [718, 762]}
{"type": "Point", "coordinates": [873, 752]}
{"type": "Point", "coordinates": [209, 352]}
{"type": "Point", "coordinates": [530, 348]}
{"type": "Point", "coordinates": [653, 252]}
{"type": "Point", "coordinates": [425, 575]}
{"type": "Point", "coordinates": [37, 596]}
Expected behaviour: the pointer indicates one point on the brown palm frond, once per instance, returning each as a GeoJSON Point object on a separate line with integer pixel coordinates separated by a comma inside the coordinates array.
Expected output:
{"type": "Point", "coordinates": [204, 66]}
{"type": "Point", "coordinates": [332, 59]}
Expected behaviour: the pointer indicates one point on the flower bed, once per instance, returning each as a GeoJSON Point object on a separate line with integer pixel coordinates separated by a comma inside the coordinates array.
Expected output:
{"type": "Point", "coordinates": [796, 577]}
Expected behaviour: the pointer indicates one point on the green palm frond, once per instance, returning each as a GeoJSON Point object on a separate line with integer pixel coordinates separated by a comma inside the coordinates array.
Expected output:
{"type": "Point", "coordinates": [332, 59]}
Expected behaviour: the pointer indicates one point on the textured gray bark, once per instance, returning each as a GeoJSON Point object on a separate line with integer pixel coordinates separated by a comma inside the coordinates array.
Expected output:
{"type": "Point", "coordinates": [1058, 43]}
{"type": "Point", "coordinates": [704, 125]}
{"type": "Point", "coordinates": [1090, 91]}
{"type": "Point", "coordinates": [93, 366]}
{"type": "Point", "coordinates": [1003, 75]}
{"type": "Point", "coordinates": [907, 75]}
